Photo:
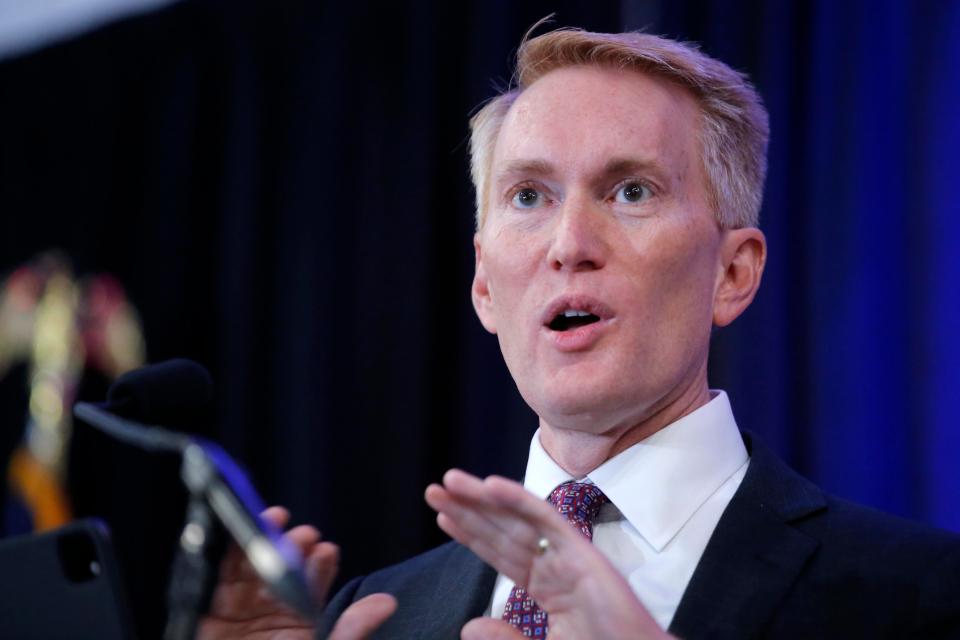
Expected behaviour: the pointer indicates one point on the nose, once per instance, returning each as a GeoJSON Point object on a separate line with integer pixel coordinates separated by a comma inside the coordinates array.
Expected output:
{"type": "Point", "coordinates": [578, 242]}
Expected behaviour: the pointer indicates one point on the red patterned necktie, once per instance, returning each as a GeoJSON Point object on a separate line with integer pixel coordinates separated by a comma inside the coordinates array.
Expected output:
{"type": "Point", "coordinates": [579, 503]}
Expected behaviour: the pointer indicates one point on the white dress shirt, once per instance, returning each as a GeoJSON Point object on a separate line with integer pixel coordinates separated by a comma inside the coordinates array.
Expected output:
{"type": "Point", "coordinates": [666, 494]}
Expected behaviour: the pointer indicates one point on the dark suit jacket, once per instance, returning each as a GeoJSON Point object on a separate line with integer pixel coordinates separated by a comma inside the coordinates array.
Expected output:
{"type": "Point", "coordinates": [785, 561]}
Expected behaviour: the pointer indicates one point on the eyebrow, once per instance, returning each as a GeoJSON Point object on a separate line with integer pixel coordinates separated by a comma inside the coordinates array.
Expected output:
{"type": "Point", "coordinates": [535, 167]}
{"type": "Point", "coordinates": [613, 167]}
{"type": "Point", "coordinates": [628, 165]}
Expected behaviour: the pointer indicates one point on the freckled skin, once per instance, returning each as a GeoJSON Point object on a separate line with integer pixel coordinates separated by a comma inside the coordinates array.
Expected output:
{"type": "Point", "coordinates": [658, 263]}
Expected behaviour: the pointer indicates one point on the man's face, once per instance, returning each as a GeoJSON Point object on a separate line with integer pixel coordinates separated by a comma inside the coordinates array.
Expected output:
{"type": "Point", "coordinates": [599, 259]}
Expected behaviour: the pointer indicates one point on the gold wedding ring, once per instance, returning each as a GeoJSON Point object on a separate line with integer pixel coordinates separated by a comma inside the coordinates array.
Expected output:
{"type": "Point", "coordinates": [542, 545]}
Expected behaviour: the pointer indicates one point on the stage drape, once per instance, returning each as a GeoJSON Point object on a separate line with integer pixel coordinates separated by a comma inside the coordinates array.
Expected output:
{"type": "Point", "coordinates": [282, 187]}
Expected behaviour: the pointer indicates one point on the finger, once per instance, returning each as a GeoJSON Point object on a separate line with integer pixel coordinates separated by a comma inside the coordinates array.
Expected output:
{"type": "Point", "coordinates": [480, 527]}
{"type": "Point", "coordinates": [464, 485]}
{"type": "Point", "coordinates": [489, 629]}
{"type": "Point", "coordinates": [501, 496]}
{"type": "Point", "coordinates": [502, 556]}
{"type": "Point", "coordinates": [476, 512]}
{"type": "Point", "coordinates": [321, 567]}
{"type": "Point", "coordinates": [524, 517]}
{"type": "Point", "coordinates": [363, 617]}
{"type": "Point", "coordinates": [473, 517]}
{"type": "Point", "coordinates": [277, 515]}
{"type": "Point", "coordinates": [304, 537]}
{"type": "Point", "coordinates": [539, 514]}
{"type": "Point", "coordinates": [513, 498]}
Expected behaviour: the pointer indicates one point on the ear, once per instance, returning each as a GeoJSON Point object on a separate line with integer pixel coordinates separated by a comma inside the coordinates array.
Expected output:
{"type": "Point", "coordinates": [480, 290]}
{"type": "Point", "coordinates": [743, 254]}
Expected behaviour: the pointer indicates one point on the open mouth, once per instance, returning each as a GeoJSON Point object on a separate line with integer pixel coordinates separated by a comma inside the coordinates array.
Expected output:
{"type": "Point", "coordinates": [572, 319]}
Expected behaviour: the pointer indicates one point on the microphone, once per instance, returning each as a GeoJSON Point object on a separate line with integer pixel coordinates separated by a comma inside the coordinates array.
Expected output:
{"type": "Point", "coordinates": [165, 392]}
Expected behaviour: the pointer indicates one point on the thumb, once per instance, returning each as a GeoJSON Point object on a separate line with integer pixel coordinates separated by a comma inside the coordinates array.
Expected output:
{"type": "Point", "coordinates": [489, 629]}
{"type": "Point", "coordinates": [363, 617]}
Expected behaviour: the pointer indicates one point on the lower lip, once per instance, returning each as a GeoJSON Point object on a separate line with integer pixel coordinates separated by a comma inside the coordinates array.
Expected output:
{"type": "Point", "coordinates": [578, 339]}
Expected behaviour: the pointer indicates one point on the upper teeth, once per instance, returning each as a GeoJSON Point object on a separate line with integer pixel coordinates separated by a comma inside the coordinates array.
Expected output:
{"type": "Point", "coordinates": [571, 313]}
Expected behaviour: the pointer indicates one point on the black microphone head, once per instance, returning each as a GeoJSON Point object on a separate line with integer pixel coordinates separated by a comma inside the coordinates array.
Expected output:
{"type": "Point", "coordinates": [172, 393]}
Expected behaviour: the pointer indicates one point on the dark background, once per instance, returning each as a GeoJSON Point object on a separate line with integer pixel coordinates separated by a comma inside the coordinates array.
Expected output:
{"type": "Point", "coordinates": [282, 188]}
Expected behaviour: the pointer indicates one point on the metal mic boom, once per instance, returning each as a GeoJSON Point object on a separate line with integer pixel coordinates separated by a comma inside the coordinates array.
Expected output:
{"type": "Point", "coordinates": [149, 437]}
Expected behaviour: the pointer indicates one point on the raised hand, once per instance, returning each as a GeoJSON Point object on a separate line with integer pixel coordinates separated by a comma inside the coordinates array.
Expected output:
{"type": "Point", "coordinates": [525, 538]}
{"type": "Point", "coordinates": [242, 607]}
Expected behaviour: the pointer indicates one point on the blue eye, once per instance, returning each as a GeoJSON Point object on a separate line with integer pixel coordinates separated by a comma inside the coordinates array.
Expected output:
{"type": "Point", "coordinates": [527, 198]}
{"type": "Point", "coordinates": [633, 192]}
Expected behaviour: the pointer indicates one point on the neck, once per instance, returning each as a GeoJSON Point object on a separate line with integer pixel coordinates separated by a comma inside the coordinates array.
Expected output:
{"type": "Point", "coordinates": [580, 452]}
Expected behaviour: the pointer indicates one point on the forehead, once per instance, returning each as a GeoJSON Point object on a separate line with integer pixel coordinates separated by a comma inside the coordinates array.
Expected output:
{"type": "Point", "coordinates": [578, 118]}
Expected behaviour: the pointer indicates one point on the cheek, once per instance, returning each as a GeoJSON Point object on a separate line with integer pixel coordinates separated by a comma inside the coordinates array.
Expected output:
{"type": "Point", "coordinates": [510, 264]}
{"type": "Point", "coordinates": [692, 276]}
{"type": "Point", "coordinates": [678, 271]}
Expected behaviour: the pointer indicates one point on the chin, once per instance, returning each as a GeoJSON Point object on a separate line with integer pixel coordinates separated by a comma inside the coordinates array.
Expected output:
{"type": "Point", "coordinates": [598, 407]}
{"type": "Point", "coordinates": [582, 410]}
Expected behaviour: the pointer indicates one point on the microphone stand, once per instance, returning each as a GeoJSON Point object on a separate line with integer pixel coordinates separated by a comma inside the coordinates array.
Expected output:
{"type": "Point", "coordinates": [194, 571]}
{"type": "Point", "coordinates": [221, 497]}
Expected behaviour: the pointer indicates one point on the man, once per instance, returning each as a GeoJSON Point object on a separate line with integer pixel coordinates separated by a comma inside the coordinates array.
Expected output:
{"type": "Point", "coordinates": [618, 189]}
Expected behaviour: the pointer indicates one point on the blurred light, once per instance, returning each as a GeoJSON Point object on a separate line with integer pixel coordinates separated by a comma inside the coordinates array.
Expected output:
{"type": "Point", "coordinates": [27, 25]}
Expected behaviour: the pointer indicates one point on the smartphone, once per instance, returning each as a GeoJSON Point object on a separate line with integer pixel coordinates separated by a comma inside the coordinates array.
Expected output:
{"type": "Point", "coordinates": [62, 583]}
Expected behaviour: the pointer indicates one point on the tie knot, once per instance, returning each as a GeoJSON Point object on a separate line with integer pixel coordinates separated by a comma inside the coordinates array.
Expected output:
{"type": "Point", "coordinates": [579, 502]}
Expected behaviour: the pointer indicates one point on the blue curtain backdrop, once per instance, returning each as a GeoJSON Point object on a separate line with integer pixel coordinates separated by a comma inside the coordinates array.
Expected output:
{"type": "Point", "coordinates": [282, 188]}
{"type": "Point", "coordinates": [848, 360]}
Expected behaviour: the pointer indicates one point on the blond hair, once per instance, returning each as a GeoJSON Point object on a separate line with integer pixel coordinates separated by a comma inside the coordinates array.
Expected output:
{"type": "Point", "coordinates": [734, 131]}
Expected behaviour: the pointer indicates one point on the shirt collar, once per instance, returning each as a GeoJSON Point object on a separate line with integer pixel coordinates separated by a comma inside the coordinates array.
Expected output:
{"type": "Point", "coordinates": [660, 482]}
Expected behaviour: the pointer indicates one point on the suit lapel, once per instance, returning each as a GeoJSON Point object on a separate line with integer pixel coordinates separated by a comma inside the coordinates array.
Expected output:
{"type": "Point", "coordinates": [461, 593]}
{"type": "Point", "coordinates": [754, 555]}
